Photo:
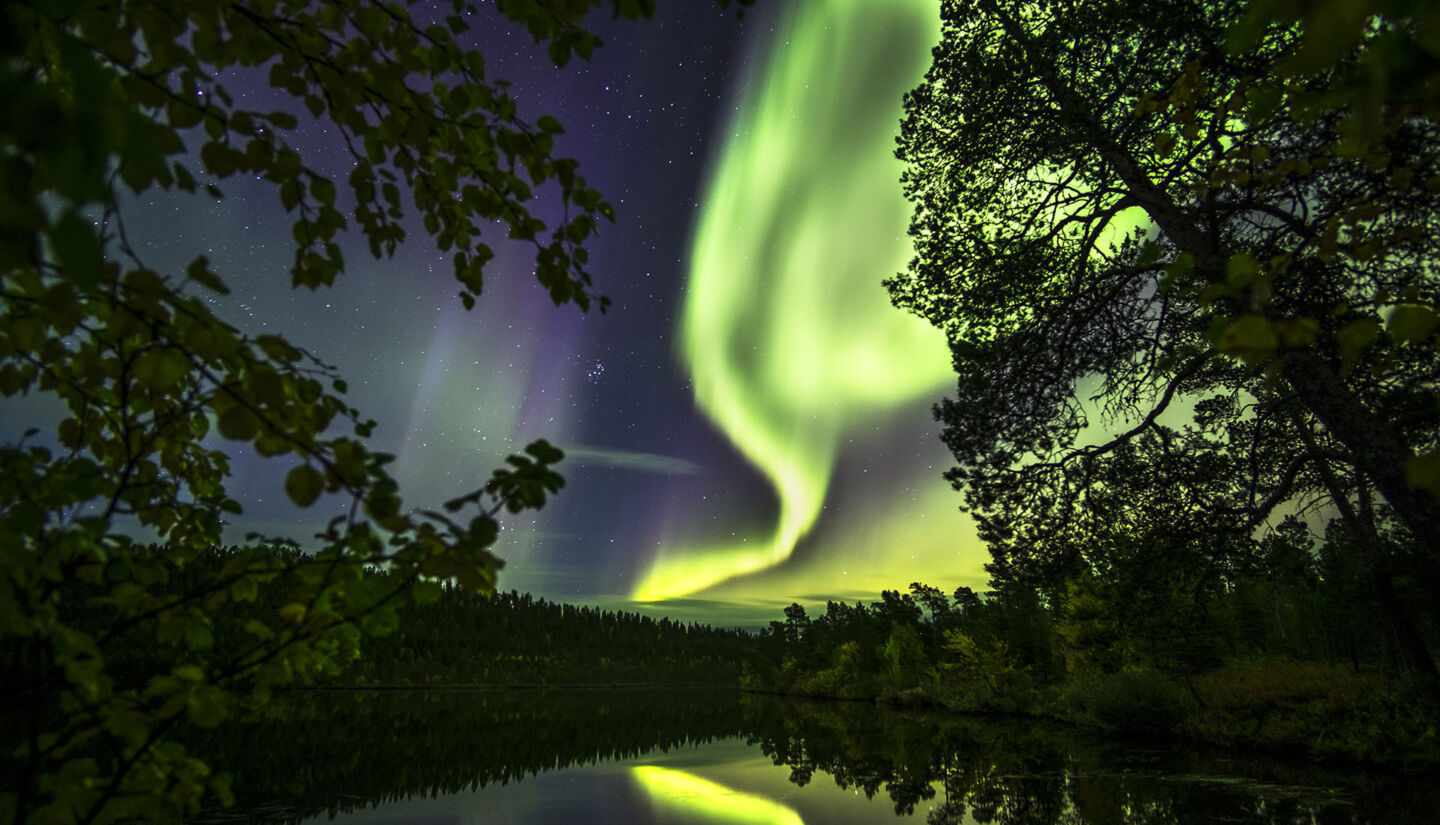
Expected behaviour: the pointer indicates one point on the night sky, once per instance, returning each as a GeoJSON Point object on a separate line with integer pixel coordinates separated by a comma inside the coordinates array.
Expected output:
{"type": "Point", "coordinates": [749, 425]}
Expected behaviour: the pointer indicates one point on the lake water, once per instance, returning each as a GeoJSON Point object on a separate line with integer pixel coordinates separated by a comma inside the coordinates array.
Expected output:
{"type": "Point", "coordinates": [687, 756]}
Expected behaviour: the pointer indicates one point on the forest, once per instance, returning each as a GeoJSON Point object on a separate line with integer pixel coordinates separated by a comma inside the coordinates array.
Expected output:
{"type": "Point", "coordinates": [1287, 654]}
{"type": "Point", "coordinates": [451, 638]}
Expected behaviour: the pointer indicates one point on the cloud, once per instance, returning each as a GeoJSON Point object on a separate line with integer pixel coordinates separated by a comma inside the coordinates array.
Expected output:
{"type": "Point", "coordinates": [628, 460]}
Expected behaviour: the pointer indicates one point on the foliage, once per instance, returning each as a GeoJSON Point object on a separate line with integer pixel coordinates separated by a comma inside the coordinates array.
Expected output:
{"type": "Point", "coordinates": [1186, 291]}
{"type": "Point", "coordinates": [101, 103]}
{"type": "Point", "coordinates": [983, 677]}
{"type": "Point", "coordinates": [1322, 709]}
{"type": "Point", "coordinates": [1128, 701]}
{"type": "Point", "coordinates": [844, 679]}
{"type": "Point", "coordinates": [1281, 658]}
{"type": "Point", "coordinates": [903, 657]}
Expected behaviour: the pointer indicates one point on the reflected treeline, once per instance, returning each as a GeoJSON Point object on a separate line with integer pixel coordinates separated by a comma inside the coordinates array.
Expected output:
{"type": "Point", "coordinates": [335, 752]}
{"type": "Point", "coordinates": [1022, 773]}
{"type": "Point", "coordinates": [315, 752]}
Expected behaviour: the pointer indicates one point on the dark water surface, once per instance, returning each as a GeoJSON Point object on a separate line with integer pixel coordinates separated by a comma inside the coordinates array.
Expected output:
{"type": "Point", "coordinates": [688, 756]}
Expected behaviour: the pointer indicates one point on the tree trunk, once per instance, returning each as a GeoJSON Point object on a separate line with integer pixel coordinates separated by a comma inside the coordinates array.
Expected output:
{"type": "Point", "coordinates": [1379, 453]}
{"type": "Point", "coordinates": [1405, 641]}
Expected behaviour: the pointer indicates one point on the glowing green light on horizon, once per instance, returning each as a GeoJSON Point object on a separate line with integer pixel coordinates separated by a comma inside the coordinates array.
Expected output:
{"type": "Point", "coordinates": [790, 340]}
{"type": "Point", "coordinates": [702, 800]}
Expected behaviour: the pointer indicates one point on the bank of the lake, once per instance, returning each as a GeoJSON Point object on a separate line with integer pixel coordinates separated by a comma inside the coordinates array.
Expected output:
{"type": "Point", "coordinates": [693, 756]}
{"type": "Point", "coordinates": [1253, 667]}
{"type": "Point", "coordinates": [1301, 710]}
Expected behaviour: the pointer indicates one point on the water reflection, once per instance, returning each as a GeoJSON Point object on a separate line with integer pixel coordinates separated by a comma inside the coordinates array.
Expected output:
{"type": "Point", "coordinates": [684, 796]}
{"type": "Point", "coordinates": [696, 757]}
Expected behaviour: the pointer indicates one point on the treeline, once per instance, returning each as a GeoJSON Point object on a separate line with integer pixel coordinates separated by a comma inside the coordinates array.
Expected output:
{"type": "Point", "coordinates": [1288, 653]}
{"type": "Point", "coordinates": [449, 637]}
{"type": "Point", "coordinates": [516, 639]}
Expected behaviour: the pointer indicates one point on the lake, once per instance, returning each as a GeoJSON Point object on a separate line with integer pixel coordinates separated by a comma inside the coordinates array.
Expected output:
{"type": "Point", "coordinates": [693, 756]}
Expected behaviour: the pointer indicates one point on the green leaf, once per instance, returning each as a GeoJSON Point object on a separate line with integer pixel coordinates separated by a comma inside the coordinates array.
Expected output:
{"type": "Point", "coordinates": [206, 706]}
{"type": "Point", "coordinates": [160, 370]}
{"type": "Point", "coordinates": [482, 532]}
{"type": "Point", "coordinates": [199, 271]}
{"type": "Point", "coordinates": [1241, 269]}
{"type": "Point", "coordinates": [259, 630]}
{"type": "Point", "coordinates": [1410, 323]}
{"type": "Point", "coordinates": [1164, 144]}
{"type": "Point", "coordinates": [78, 249]}
{"type": "Point", "coordinates": [189, 673]}
{"type": "Point", "coordinates": [1178, 270]}
{"type": "Point", "coordinates": [303, 485]}
{"type": "Point", "coordinates": [238, 424]}
{"type": "Point", "coordinates": [1149, 254]}
{"type": "Point", "coordinates": [544, 451]}
{"type": "Point", "coordinates": [323, 189]}
{"type": "Point", "coordinates": [244, 590]}
{"type": "Point", "coordinates": [1251, 338]}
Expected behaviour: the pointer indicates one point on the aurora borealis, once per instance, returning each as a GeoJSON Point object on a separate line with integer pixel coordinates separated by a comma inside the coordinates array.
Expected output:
{"type": "Point", "coordinates": [749, 424]}
{"type": "Point", "coordinates": [790, 343]}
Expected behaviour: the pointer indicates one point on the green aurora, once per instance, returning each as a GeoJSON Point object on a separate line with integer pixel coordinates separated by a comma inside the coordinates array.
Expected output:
{"type": "Point", "coordinates": [793, 347]}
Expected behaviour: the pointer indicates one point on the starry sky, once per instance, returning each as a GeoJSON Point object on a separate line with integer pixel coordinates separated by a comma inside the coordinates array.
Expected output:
{"type": "Point", "coordinates": [749, 425]}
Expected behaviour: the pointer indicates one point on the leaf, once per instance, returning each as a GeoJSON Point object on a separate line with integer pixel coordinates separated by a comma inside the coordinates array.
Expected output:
{"type": "Point", "coordinates": [482, 532]}
{"type": "Point", "coordinates": [259, 630]}
{"type": "Point", "coordinates": [190, 673]}
{"type": "Point", "coordinates": [1164, 144]}
{"type": "Point", "coordinates": [544, 451]}
{"type": "Point", "coordinates": [304, 484]}
{"type": "Point", "coordinates": [160, 370]}
{"type": "Point", "coordinates": [238, 424]}
{"type": "Point", "coordinates": [323, 189]}
{"type": "Point", "coordinates": [1251, 338]}
{"type": "Point", "coordinates": [78, 249]}
{"type": "Point", "coordinates": [244, 589]}
{"type": "Point", "coordinates": [199, 271]}
{"type": "Point", "coordinates": [1241, 269]}
{"type": "Point", "coordinates": [1295, 333]}
{"type": "Point", "coordinates": [206, 706]}
{"type": "Point", "coordinates": [293, 613]}
{"type": "Point", "coordinates": [1180, 268]}
{"type": "Point", "coordinates": [1410, 323]}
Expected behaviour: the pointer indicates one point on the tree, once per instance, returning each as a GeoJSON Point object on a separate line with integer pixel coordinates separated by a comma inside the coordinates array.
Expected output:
{"type": "Point", "coordinates": [1167, 268]}
{"type": "Point", "coordinates": [796, 624]}
{"type": "Point", "coordinates": [904, 656]}
{"type": "Point", "coordinates": [97, 98]}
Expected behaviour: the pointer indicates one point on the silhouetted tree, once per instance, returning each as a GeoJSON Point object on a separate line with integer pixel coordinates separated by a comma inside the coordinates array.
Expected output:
{"type": "Point", "coordinates": [1180, 297]}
